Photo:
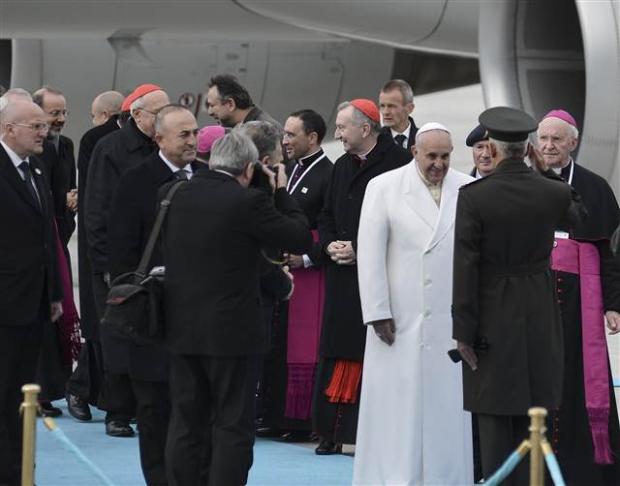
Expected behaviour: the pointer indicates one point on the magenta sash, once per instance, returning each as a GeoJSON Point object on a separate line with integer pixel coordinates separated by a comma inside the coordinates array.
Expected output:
{"type": "Point", "coordinates": [304, 331]}
{"type": "Point", "coordinates": [69, 322]}
{"type": "Point", "coordinates": [583, 259]}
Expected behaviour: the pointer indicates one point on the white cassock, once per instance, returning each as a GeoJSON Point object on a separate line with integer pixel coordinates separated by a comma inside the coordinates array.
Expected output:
{"type": "Point", "coordinates": [412, 428]}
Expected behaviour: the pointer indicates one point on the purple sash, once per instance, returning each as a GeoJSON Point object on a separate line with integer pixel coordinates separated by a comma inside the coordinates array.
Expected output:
{"type": "Point", "coordinates": [304, 331]}
{"type": "Point", "coordinates": [583, 259]}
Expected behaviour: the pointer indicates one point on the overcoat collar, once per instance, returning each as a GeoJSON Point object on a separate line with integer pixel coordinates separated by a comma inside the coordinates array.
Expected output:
{"type": "Point", "coordinates": [439, 219]}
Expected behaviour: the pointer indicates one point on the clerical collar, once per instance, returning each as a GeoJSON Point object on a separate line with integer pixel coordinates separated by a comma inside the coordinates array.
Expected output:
{"type": "Point", "coordinates": [308, 159]}
{"type": "Point", "coordinates": [404, 133]}
{"type": "Point", "coordinates": [558, 170]}
{"type": "Point", "coordinates": [173, 167]}
{"type": "Point", "coordinates": [365, 155]}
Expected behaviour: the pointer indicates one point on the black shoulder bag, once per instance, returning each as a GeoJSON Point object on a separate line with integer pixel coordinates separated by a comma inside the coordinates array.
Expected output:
{"type": "Point", "coordinates": [134, 307]}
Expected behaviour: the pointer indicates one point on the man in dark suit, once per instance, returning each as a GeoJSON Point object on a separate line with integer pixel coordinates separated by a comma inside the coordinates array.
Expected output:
{"type": "Point", "coordinates": [59, 158]}
{"type": "Point", "coordinates": [369, 152]}
{"type": "Point", "coordinates": [290, 366]}
{"type": "Point", "coordinates": [84, 384]}
{"type": "Point", "coordinates": [131, 219]}
{"type": "Point", "coordinates": [112, 156]}
{"type": "Point", "coordinates": [230, 104]}
{"type": "Point", "coordinates": [59, 161]}
{"type": "Point", "coordinates": [213, 320]}
{"type": "Point", "coordinates": [396, 105]}
{"type": "Point", "coordinates": [30, 291]}
{"type": "Point", "coordinates": [506, 319]}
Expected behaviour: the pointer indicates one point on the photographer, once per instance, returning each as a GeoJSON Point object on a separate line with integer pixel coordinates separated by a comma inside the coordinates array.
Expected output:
{"type": "Point", "coordinates": [213, 237]}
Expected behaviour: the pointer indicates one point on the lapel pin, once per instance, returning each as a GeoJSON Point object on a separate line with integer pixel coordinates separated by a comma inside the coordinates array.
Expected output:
{"type": "Point", "coordinates": [304, 190]}
{"type": "Point", "coordinates": [37, 171]}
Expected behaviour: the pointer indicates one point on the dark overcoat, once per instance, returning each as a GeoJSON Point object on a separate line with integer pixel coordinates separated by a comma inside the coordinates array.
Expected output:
{"type": "Point", "coordinates": [89, 322]}
{"type": "Point", "coordinates": [113, 155]}
{"type": "Point", "coordinates": [600, 202]}
{"type": "Point", "coordinates": [343, 334]}
{"type": "Point", "coordinates": [212, 240]}
{"type": "Point", "coordinates": [504, 292]}
{"type": "Point", "coordinates": [132, 215]}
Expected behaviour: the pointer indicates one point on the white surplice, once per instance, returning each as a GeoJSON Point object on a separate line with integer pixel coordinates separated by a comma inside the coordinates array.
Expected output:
{"type": "Point", "coordinates": [412, 429]}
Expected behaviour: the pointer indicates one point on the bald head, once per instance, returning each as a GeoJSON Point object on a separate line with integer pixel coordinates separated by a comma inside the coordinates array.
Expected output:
{"type": "Point", "coordinates": [24, 127]}
{"type": "Point", "coordinates": [106, 105]}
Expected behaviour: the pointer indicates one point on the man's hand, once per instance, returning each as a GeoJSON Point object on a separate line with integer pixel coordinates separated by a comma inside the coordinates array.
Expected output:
{"type": "Point", "coordinates": [332, 248]}
{"type": "Point", "coordinates": [72, 200]}
{"type": "Point", "coordinates": [290, 276]}
{"type": "Point", "coordinates": [536, 159]}
{"type": "Point", "coordinates": [613, 322]}
{"type": "Point", "coordinates": [468, 354]}
{"type": "Point", "coordinates": [385, 330]}
{"type": "Point", "coordinates": [295, 261]}
{"type": "Point", "coordinates": [344, 254]}
{"type": "Point", "coordinates": [55, 311]}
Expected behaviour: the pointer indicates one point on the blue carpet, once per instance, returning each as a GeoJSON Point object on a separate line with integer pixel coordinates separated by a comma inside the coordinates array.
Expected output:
{"type": "Point", "coordinates": [274, 463]}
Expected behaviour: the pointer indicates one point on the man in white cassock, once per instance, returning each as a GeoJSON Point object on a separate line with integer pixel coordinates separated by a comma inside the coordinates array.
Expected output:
{"type": "Point", "coordinates": [412, 429]}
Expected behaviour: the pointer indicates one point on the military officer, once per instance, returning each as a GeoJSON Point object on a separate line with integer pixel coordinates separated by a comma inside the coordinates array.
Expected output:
{"type": "Point", "coordinates": [506, 319]}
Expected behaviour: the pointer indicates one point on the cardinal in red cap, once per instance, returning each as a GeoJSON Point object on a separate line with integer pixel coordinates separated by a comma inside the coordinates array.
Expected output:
{"type": "Point", "coordinates": [369, 153]}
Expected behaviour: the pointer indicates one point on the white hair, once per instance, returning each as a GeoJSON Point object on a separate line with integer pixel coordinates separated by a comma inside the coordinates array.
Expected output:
{"type": "Point", "coordinates": [232, 152]}
{"type": "Point", "coordinates": [136, 105]}
{"type": "Point", "coordinates": [573, 130]}
{"type": "Point", "coordinates": [510, 149]}
{"type": "Point", "coordinates": [13, 93]}
{"type": "Point", "coordinates": [359, 117]}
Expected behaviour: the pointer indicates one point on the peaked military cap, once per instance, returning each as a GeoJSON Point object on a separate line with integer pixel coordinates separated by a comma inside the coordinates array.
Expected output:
{"type": "Point", "coordinates": [507, 124]}
{"type": "Point", "coordinates": [476, 135]}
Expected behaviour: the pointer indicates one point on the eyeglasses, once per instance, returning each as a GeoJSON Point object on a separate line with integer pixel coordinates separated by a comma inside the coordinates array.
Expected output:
{"type": "Point", "coordinates": [37, 127]}
{"type": "Point", "coordinates": [57, 113]}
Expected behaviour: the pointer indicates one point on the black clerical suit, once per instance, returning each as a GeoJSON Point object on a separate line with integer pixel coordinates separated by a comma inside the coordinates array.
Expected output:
{"type": "Point", "coordinates": [87, 377]}
{"type": "Point", "coordinates": [132, 216]}
{"type": "Point", "coordinates": [59, 162]}
{"type": "Point", "coordinates": [29, 282]}
{"type": "Point", "coordinates": [504, 301]}
{"type": "Point", "coordinates": [343, 335]}
{"type": "Point", "coordinates": [213, 318]}
{"type": "Point", "coordinates": [112, 156]}
{"type": "Point", "coordinates": [569, 427]}
{"type": "Point", "coordinates": [413, 130]}
{"type": "Point", "coordinates": [308, 180]}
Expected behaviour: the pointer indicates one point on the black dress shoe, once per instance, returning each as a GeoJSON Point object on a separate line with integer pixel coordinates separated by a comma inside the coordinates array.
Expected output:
{"type": "Point", "coordinates": [268, 432]}
{"type": "Point", "coordinates": [328, 448]}
{"type": "Point", "coordinates": [297, 436]}
{"type": "Point", "coordinates": [116, 428]}
{"type": "Point", "coordinates": [47, 410]}
{"type": "Point", "coordinates": [78, 408]}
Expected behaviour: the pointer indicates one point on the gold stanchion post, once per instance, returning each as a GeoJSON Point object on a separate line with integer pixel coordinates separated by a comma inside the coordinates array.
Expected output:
{"type": "Point", "coordinates": [29, 421]}
{"type": "Point", "coordinates": [537, 431]}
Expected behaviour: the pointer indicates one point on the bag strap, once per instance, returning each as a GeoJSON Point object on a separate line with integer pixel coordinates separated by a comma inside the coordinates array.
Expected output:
{"type": "Point", "coordinates": [164, 205]}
